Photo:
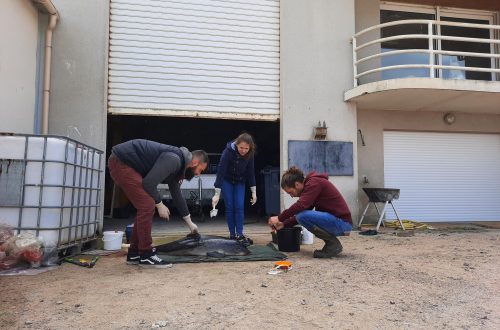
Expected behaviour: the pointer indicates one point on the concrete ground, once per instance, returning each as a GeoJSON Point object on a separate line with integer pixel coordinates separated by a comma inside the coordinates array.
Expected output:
{"type": "Point", "coordinates": [444, 278]}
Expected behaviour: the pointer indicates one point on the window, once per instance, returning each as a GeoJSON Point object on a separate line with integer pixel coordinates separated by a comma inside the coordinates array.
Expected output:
{"type": "Point", "coordinates": [415, 43]}
{"type": "Point", "coordinates": [475, 47]}
{"type": "Point", "coordinates": [391, 13]}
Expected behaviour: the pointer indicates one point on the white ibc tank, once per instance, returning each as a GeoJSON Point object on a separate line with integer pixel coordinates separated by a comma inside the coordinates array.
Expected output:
{"type": "Point", "coordinates": [52, 188]}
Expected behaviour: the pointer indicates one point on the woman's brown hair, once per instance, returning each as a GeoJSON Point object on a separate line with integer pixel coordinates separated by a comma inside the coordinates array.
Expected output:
{"type": "Point", "coordinates": [247, 138]}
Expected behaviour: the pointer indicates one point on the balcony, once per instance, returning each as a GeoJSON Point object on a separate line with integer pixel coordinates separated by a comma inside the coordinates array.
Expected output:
{"type": "Point", "coordinates": [427, 65]}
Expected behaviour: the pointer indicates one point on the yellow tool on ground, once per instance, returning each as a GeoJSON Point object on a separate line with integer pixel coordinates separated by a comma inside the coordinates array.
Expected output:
{"type": "Point", "coordinates": [408, 224]}
{"type": "Point", "coordinates": [82, 262]}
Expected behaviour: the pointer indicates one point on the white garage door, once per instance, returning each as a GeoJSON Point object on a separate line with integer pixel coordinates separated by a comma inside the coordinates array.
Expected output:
{"type": "Point", "coordinates": [444, 176]}
{"type": "Point", "coordinates": [206, 58]}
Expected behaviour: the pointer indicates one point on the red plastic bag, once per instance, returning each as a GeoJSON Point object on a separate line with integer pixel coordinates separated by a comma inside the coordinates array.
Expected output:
{"type": "Point", "coordinates": [31, 255]}
{"type": "Point", "coordinates": [23, 247]}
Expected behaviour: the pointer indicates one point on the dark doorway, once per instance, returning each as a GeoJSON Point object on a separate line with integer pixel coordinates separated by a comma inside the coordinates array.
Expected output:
{"type": "Point", "coordinates": [210, 135]}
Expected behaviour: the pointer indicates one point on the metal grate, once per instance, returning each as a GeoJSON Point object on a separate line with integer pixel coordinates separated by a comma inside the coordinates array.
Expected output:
{"type": "Point", "coordinates": [50, 186]}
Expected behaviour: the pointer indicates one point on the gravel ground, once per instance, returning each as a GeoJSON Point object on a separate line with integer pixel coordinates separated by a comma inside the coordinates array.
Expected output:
{"type": "Point", "coordinates": [439, 279]}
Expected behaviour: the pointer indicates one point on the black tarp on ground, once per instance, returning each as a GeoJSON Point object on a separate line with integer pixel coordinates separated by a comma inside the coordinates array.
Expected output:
{"type": "Point", "coordinates": [258, 253]}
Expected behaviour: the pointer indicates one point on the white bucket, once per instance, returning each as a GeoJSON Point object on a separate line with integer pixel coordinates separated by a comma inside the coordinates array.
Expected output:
{"type": "Point", "coordinates": [112, 240]}
{"type": "Point", "coordinates": [307, 237]}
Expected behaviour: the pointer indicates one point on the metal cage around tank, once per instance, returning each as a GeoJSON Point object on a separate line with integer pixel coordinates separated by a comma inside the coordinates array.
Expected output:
{"type": "Point", "coordinates": [50, 186]}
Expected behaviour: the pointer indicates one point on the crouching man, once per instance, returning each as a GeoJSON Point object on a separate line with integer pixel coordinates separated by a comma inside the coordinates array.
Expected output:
{"type": "Point", "coordinates": [330, 218]}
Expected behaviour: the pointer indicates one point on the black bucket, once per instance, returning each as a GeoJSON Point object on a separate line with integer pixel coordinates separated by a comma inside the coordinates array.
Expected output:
{"type": "Point", "coordinates": [289, 239]}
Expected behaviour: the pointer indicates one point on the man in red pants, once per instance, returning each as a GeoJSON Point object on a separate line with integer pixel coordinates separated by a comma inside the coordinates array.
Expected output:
{"type": "Point", "coordinates": [137, 167]}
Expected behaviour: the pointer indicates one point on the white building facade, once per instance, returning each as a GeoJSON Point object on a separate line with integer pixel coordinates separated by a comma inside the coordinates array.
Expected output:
{"type": "Point", "coordinates": [417, 104]}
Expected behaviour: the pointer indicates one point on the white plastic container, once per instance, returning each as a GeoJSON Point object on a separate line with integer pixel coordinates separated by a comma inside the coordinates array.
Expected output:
{"type": "Point", "coordinates": [112, 240]}
{"type": "Point", "coordinates": [307, 237]}
{"type": "Point", "coordinates": [55, 191]}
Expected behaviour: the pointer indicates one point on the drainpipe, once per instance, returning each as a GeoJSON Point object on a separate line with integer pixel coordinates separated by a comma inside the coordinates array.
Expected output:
{"type": "Point", "coordinates": [48, 7]}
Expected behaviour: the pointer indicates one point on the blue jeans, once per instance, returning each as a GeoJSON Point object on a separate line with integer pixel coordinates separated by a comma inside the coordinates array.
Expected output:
{"type": "Point", "coordinates": [324, 220]}
{"type": "Point", "coordinates": [234, 198]}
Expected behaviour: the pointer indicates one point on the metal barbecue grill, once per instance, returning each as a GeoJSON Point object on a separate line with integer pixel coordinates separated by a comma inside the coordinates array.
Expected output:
{"type": "Point", "coordinates": [381, 195]}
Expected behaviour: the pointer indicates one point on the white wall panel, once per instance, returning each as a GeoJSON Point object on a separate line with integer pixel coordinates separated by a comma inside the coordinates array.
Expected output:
{"type": "Point", "coordinates": [209, 57]}
{"type": "Point", "coordinates": [18, 66]}
{"type": "Point", "coordinates": [444, 176]}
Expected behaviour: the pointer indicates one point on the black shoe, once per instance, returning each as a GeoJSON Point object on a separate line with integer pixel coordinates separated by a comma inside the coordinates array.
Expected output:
{"type": "Point", "coordinates": [369, 232]}
{"type": "Point", "coordinates": [328, 251]}
{"type": "Point", "coordinates": [152, 260]}
{"type": "Point", "coordinates": [244, 240]}
{"type": "Point", "coordinates": [133, 257]}
{"type": "Point", "coordinates": [332, 247]}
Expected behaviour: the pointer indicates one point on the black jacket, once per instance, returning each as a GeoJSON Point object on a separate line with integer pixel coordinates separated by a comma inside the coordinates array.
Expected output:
{"type": "Point", "coordinates": [157, 163]}
{"type": "Point", "coordinates": [234, 168]}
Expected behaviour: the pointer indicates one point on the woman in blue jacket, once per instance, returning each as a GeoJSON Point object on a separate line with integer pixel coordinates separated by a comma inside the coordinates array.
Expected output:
{"type": "Point", "coordinates": [236, 167]}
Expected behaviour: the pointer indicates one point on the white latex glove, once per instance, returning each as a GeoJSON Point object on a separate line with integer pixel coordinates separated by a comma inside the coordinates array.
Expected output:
{"type": "Point", "coordinates": [163, 211]}
{"type": "Point", "coordinates": [191, 225]}
{"type": "Point", "coordinates": [215, 199]}
{"type": "Point", "coordinates": [254, 195]}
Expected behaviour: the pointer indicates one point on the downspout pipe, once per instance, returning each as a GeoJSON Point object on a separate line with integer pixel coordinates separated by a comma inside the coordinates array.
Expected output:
{"type": "Point", "coordinates": [48, 7]}
{"type": "Point", "coordinates": [46, 73]}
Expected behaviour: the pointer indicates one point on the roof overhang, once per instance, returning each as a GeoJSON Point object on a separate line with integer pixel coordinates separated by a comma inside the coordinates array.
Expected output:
{"type": "Point", "coordinates": [428, 94]}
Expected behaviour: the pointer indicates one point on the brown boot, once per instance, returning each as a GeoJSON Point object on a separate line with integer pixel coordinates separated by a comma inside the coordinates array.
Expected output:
{"type": "Point", "coordinates": [332, 246]}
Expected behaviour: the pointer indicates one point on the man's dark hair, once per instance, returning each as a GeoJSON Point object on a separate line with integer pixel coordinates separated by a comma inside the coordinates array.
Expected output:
{"type": "Point", "coordinates": [201, 155]}
{"type": "Point", "coordinates": [292, 175]}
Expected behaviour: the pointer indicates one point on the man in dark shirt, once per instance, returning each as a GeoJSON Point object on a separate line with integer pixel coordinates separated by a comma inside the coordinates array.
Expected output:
{"type": "Point", "coordinates": [330, 218]}
{"type": "Point", "coordinates": [137, 167]}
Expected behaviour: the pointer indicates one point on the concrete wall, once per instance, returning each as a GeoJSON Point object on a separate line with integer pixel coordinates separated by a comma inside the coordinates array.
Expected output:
{"type": "Point", "coordinates": [367, 14]}
{"type": "Point", "coordinates": [316, 69]}
{"type": "Point", "coordinates": [18, 60]}
{"type": "Point", "coordinates": [79, 71]}
{"type": "Point", "coordinates": [373, 123]}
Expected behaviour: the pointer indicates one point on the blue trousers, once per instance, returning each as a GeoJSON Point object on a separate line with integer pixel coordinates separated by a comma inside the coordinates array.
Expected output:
{"type": "Point", "coordinates": [324, 220]}
{"type": "Point", "coordinates": [234, 198]}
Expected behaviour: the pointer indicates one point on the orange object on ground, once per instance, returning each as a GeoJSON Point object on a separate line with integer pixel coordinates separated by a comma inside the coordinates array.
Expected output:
{"type": "Point", "coordinates": [285, 265]}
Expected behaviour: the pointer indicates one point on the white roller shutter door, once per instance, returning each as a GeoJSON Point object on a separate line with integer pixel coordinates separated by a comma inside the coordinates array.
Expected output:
{"type": "Point", "coordinates": [209, 58]}
{"type": "Point", "coordinates": [444, 176]}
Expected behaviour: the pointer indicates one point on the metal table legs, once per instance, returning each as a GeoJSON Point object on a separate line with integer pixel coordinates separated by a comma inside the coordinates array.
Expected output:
{"type": "Point", "coordinates": [381, 215]}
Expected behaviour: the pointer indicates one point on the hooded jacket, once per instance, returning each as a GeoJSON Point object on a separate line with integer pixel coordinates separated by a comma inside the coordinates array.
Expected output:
{"type": "Point", "coordinates": [157, 163]}
{"type": "Point", "coordinates": [234, 168]}
{"type": "Point", "coordinates": [319, 194]}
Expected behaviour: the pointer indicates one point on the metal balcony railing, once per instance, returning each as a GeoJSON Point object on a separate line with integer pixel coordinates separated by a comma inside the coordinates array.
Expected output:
{"type": "Point", "coordinates": [434, 50]}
